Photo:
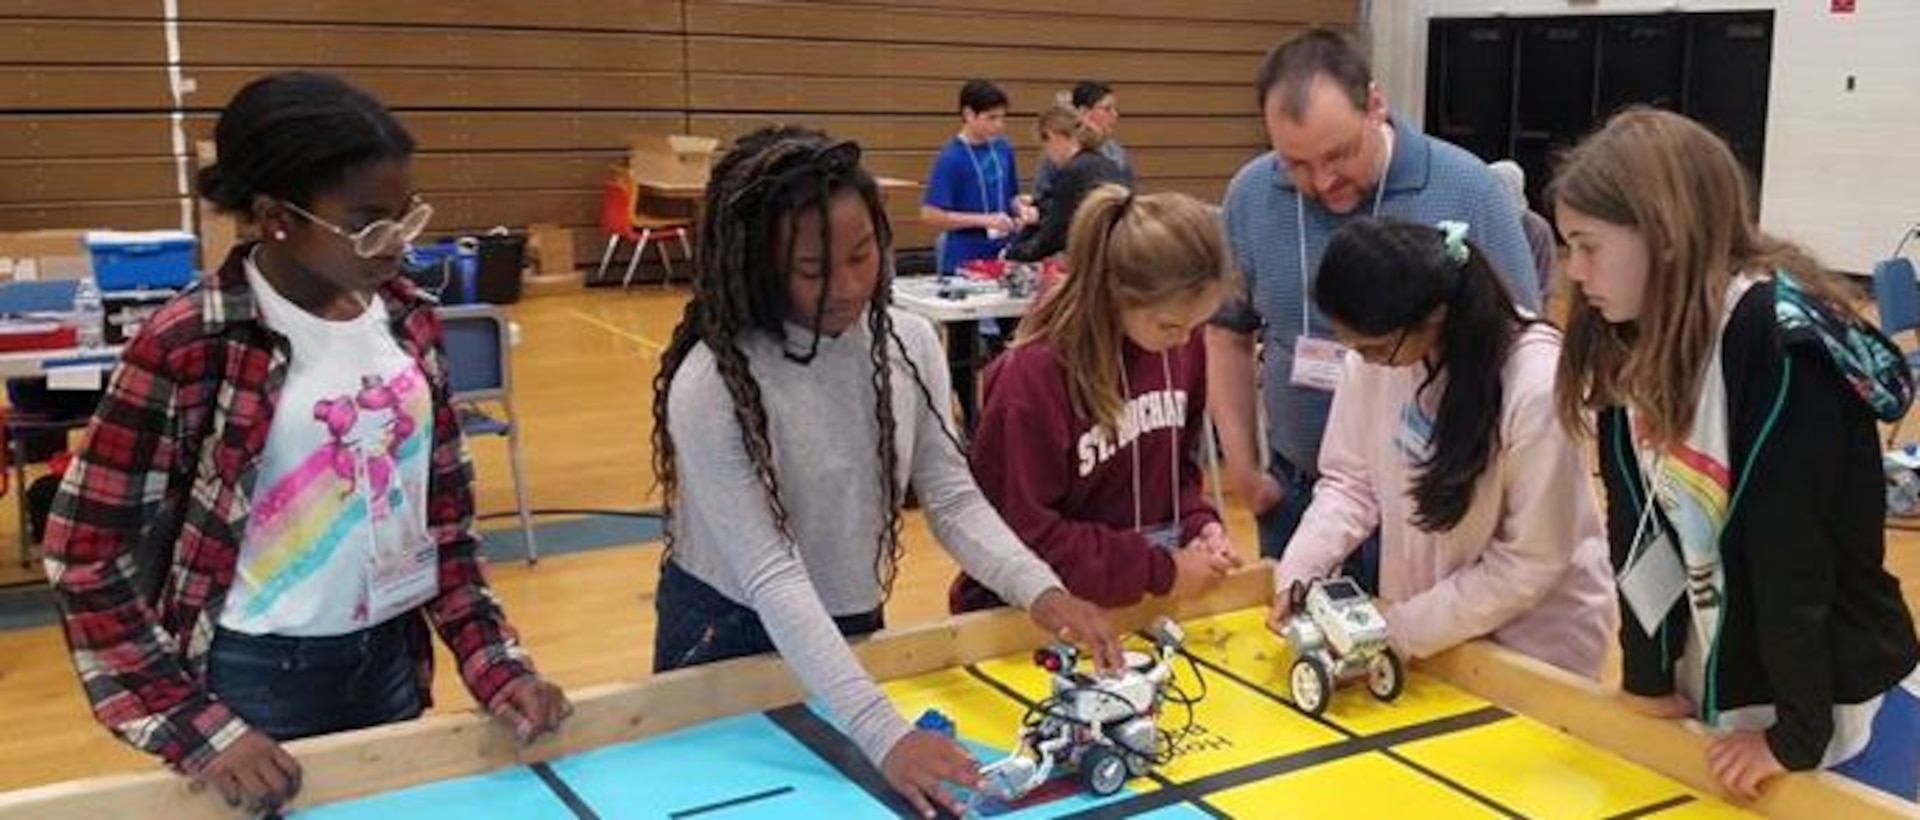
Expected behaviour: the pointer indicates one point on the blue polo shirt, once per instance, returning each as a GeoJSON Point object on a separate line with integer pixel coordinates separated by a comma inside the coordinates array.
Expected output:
{"type": "Point", "coordinates": [1427, 181]}
{"type": "Point", "coordinates": [971, 179]}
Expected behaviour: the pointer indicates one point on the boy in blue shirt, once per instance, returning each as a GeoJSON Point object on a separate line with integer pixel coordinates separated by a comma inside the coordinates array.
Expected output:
{"type": "Point", "coordinates": [973, 188]}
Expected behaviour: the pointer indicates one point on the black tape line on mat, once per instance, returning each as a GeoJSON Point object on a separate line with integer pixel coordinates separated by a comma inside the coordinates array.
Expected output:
{"type": "Point", "coordinates": [563, 791]}
{"type": "Point", "coordinates": [832, 747]}
{"type": "Point", "coordinates": [1654, 808]}
{"type": "Point", "coordinates": [1406, 734]}
{"type": "Point", "coordinates": [1013, 694]}
{"type": "Point", "coordinates": [1276, 766]}
{"type": "Point", "coordinates": [732, 802]}
{"type": "Point", "coordinates": [1354, 744]}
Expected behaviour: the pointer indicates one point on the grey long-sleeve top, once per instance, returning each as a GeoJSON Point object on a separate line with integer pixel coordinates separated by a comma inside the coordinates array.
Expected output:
{"type": "Point", "coordinates": [825, 446]}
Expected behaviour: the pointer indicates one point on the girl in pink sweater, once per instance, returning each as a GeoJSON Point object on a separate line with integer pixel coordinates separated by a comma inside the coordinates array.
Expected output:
{"type": "Point", "coordinates": [1443, 435]}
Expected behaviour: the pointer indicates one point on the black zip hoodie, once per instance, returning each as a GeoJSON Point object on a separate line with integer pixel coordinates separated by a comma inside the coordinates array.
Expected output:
{"type": "Point", "coordinates": [1812, 616]}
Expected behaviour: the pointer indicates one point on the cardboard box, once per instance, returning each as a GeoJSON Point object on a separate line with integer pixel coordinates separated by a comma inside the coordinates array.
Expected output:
{"type": "Point", "coordinates": [671, 159]}
{"type": "Point", "coordinates": [45, 255]}
{"type": "Point", "coordinates": [550, 250]}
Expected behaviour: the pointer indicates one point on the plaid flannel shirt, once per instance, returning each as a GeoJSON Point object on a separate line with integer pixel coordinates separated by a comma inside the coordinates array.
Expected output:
{"type": "Point", "coordinates": [144, 537]}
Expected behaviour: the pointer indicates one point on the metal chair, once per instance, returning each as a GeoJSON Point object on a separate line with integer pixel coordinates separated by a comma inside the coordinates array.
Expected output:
{"type": "Point", "coordinates": [480, 373]}
{"type": "Point", "coordinates": [619, 201]}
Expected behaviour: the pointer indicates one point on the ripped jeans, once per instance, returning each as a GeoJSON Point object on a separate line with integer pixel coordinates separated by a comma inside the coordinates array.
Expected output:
{"type": "Point", "coordinates": [696, 624]}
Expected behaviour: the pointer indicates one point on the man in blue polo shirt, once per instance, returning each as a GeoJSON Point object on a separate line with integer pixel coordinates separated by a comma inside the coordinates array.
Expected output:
{"type": "Point", "coordinates": [973, 188]}
{"type": "Point", "coordinates": [1337, 156]}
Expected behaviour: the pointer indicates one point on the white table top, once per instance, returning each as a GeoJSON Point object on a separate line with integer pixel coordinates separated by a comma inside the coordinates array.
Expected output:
{"type": "Point", "coordinates": [921, 295]}
{"type": "Point", "coordinates": [26, 364]}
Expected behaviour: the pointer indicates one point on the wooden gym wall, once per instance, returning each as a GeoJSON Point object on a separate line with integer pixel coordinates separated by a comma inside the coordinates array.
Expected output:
{"type": "Point", "coordinates": [519, 107]}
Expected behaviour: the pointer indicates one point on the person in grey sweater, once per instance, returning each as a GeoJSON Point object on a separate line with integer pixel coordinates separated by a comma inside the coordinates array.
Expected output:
{"type": "Point", "coordinates": [792, 409]}
{"type": "Point", "coordinates": [1540, 238]}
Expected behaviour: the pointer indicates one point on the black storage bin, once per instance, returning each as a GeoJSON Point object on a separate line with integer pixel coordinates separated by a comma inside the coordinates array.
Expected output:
{"type": "Point", "coordinates": [501, 259]}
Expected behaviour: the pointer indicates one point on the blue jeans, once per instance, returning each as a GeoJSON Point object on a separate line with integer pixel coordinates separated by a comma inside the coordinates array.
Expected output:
{"type": "Point", "coordinates": [696, 624]}
{"type": "Point", "coordinates": [291, 688]}
{"type": "Point", "coordinates": [1278, 524]}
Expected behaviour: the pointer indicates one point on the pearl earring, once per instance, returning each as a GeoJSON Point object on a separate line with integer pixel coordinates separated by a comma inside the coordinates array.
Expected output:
{"type": "Point", "coordinates": [279, 235]}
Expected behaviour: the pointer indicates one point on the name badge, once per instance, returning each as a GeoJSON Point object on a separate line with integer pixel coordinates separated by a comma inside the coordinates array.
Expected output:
{"type": "Point", "coordinates": [404, 564]}
{"type": "Point", "coordinates": [1318, 363]}
{"type": "Point", "coordinates": [1653, 582]}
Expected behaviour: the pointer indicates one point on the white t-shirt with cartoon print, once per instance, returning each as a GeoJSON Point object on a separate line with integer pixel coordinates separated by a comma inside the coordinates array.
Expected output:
{"type": "Point", "coordinates": [337, 538]}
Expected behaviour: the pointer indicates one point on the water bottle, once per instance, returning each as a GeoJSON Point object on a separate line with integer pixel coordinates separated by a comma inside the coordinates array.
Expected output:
{"type": "Point", "coordinates": [466, 271]}
{"type": "Point", "coordinates": [89, 314]}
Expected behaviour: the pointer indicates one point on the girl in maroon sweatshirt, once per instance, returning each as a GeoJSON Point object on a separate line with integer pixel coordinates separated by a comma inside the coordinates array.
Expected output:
{"type": "Point", "coordinates": [1086, 442]}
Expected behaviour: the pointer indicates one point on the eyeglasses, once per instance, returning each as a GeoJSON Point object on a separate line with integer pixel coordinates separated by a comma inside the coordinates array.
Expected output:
{"type": "Point", "coordinates": [1369, 352]}
{"type": "Point", "coordinates": [381, 236]}
{"type": "Point", "coordinates": [1397, 343]}
{"type": "Point", "coordinates": [1338, 161]}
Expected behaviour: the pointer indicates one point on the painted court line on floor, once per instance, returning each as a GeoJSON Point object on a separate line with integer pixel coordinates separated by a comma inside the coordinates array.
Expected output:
{"type": "Point", "coordinates": [652, 346]}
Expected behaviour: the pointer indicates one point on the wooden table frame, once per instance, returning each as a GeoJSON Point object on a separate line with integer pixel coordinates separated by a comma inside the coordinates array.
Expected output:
{"type": "Point", "coordinates": [356, 764]}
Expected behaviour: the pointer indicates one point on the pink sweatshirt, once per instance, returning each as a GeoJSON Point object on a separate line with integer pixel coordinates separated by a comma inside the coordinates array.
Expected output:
{"type": "Point", "coordinates": [1527, 565]}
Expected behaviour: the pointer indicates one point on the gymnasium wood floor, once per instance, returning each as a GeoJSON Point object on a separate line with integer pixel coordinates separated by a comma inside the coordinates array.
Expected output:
{"type": "Point", "coordinates": [583, 379]}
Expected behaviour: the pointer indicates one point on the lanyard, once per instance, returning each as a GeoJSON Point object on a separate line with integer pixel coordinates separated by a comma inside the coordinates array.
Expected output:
{"type": "Point", "coordinates": [1173, 470]}
{"type": "Point", "coordinates": [1653, 482]}
{"type": "Point", "coordinates": [1300, 221]}
{"type": "Point", "coordinates": [980, 176]}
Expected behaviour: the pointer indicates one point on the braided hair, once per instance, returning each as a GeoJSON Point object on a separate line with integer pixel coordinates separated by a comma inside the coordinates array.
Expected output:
{"type": "Point", "coordinates": [761, 184]}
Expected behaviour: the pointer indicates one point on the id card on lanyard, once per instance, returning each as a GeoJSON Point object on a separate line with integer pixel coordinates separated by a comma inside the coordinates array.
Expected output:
{"type": "Point", "coordinates": [1317, 363]}
{"type": "Point", "coordinates": [404, 563]}
{"type": "Point", "coordinates": [1653, 578]}
{"type": "Point", "coordinates": [999, 183]}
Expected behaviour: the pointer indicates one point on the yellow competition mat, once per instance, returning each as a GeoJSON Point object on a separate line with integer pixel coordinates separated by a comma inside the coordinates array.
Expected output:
{"type": "Point", "coordinates": [1433, 752]}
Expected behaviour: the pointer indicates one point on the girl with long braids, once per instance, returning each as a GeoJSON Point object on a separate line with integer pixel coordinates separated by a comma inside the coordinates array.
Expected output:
{"type": "Point", "coordinates": [791, 410]}
{"type": "Point", "coordinates": [1443, 437]}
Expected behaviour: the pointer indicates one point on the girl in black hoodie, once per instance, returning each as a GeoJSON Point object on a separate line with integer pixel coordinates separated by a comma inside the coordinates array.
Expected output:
{"type": "Point", "coordinates": [1737, 392]}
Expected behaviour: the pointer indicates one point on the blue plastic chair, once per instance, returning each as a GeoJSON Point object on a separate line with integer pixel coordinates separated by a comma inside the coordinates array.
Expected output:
{"type": "Point", "coordinates": [480, 372]}
{"type": "Point", "coordinates": [1897, 292]}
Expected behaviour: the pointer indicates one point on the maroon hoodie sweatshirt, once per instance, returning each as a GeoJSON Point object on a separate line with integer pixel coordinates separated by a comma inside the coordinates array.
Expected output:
{"type": "Point", "coordinates": [1067, 487]}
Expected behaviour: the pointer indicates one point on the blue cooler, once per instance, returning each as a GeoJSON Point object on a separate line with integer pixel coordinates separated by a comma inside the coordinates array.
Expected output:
{"type": "Point", "coordinates": [446, 269]}
{"type": "Point", "coordinates": [142, 260]}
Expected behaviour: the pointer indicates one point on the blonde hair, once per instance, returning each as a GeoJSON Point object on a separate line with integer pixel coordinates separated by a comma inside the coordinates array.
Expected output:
{"type": "Point", "coordinates": [1680, 187]}
{"type": "Point", "coordinates": [1123, 251]}
{"type": "Point", "coordinates": [1065, 120]}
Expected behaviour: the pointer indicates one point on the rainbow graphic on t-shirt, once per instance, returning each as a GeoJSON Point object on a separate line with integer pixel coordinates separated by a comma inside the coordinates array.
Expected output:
{"type": "Point", "coordinates": [301, 520]}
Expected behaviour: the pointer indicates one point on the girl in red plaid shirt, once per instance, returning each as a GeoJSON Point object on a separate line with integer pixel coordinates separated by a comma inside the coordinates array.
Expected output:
{"type": "Point", "coordinates": [273, 504]}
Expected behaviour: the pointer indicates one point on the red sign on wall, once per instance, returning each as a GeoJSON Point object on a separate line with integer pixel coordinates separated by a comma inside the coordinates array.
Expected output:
{"type": "Point", "coordinates": [1842, 6]}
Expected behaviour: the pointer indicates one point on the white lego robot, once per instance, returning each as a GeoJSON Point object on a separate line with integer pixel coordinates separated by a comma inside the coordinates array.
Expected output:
{"type": "Point", "coordinates": [1102, 725]}
{"type": "Point", "coordinates": [1338, 636]}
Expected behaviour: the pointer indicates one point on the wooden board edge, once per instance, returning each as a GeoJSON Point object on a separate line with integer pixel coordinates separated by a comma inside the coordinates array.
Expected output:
{"type": "Point", "coordinates": [1592, 713]}
{"type": "Point", "coordinates": [355, 764]}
